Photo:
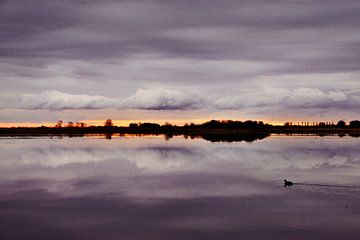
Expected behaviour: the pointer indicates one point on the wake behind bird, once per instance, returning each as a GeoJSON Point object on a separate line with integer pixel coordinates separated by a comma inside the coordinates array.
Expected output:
{"type": "Point", "coordinates": [288, 183]}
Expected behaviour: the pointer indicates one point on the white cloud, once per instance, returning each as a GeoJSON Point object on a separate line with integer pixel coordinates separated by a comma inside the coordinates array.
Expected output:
{"type": "Point", "coordinates": [163, 99]}
{"type": "Point", "coordinates": [151, 99]}
{"type": "Point", "coordinates": [285, 98]}
{"type": "Point", "coordinates": [56, 100]}
{"type": "Point", "coordinates": [174, 99]}
{"type": "Point", "coordinates": [253, 98]}
{"type": "Point", "coordinates": [312, 97]}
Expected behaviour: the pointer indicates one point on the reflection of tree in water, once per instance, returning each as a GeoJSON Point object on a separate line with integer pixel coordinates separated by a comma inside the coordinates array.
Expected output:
{"type": "Point", "coordinates": [108, 136]}
{"type": "Point", "coordinates": [235, 138]}
{"type": "Point", "coordinates": [225, 130]}
{"type": "Point", "coordinates": [222, 137]}
{"type": "Point", "coordinates": [354, 135]}
{"type": "Point", "coordinates": [167, 137]}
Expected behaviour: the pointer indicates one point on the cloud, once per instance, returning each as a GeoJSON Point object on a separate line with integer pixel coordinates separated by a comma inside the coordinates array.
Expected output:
{"type": "Point", "coordinates": [164, 99]}
{"type": "Point", "coordinates": [158, 99]}
{"type": "Point", "coordinates": [253, 98]}
{"type": "Point", "coordinates": [310, 98]}
{"type": "Point", "coordinates": [55, 100]}
{"type": "Point", "coordinates": [315, 98]}
{"type": "Point", "coordinates": [298, 33]}
{"type": "Point", "coordinates": [148, 99]}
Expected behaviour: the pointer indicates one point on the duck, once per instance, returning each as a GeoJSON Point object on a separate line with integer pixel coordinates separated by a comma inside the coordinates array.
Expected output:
{"type": "Point", "coordinates": [288, 183]}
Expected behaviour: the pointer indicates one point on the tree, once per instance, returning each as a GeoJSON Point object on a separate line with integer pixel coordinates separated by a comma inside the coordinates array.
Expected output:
{"type": "Point", "coordinates": [108, 123]}
{"type": "Point", "coordinates": [133, 125]}
{"type": "Point", "coordinates": [59, 124]}
{"type": "Point", "coordinates": [149, 125]}
{"type": "Point", "coordinates": [70, 124]}
{"type": "Point", "coordinates": [80, 124]}
{"type": "Point", "coordinates": [355, 123]}
{"type": "Point", "coordinates": [341, 123]}
{"type": "Point", "coordinates": [322, 124]}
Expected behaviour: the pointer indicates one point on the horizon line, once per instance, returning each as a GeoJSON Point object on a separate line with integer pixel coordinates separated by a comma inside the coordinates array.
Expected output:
{"type": "Point", "coordinates": [122, 123]}
{"type": "Point", "coordinates": [125, 123]}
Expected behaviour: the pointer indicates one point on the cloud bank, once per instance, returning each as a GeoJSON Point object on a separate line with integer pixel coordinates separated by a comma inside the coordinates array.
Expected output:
{"type": "Point", "coordinates": [55, 100]}
{"type": "Point", "coordinates": [298, 32]}
{"type": "Point", "coordinates": [310, 98]}
{"type": "Point", "coordinates": [146, 99]}
{"type": "Point", "coordinates": [168, 99]}
{"type": "Point", "coordinates": [163, 99]}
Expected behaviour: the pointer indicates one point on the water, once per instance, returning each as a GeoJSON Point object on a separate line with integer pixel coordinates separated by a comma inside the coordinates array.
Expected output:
{"type": "Point", "coordinates": [150, 188]}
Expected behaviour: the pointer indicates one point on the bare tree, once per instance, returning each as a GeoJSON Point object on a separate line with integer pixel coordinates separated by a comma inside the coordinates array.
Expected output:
{"type": "Point", "coordinates": [59, 124]}
{"type": "Point", "coordinates": [108, 123]}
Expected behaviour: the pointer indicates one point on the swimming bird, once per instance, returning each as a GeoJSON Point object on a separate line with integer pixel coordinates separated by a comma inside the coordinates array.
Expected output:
{"type": "Point", "coordinates": [288, 183]}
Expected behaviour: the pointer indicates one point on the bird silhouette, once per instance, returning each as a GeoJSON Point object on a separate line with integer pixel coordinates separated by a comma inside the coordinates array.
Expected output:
{"type": "Point", "coordinates": [288, 183]}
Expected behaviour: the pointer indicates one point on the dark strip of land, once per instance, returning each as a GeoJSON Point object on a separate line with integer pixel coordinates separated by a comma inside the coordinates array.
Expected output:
{"type": "Point", "coordinates": [212, 130]}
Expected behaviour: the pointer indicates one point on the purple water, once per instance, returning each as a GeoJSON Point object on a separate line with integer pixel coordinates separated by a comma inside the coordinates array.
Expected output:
{"type": "Point", "coordinates": [149, 188]}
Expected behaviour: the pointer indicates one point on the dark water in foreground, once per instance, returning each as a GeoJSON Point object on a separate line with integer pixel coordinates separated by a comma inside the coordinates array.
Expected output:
{"type": "Point", "coordinates": [149, 188]}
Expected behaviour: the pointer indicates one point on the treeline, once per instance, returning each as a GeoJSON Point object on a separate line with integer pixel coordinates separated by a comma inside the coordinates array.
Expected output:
{"type": "Point", "coordinates": [339, 124]}
{"type": "Point", "coordinates": [216, 124]}
{"type": "Point", "coordinates": [213, 124]}
{"type": "Point", "coordinates": [213, 130]}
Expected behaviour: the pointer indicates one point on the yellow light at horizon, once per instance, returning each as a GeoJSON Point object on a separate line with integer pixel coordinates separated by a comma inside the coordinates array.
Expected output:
{"type": "Point", "coordinates": [25, 124]}
{"type": "Point", "coordinates": [126, 122]}
{"type": "Point", "coordinates": [121, 123]}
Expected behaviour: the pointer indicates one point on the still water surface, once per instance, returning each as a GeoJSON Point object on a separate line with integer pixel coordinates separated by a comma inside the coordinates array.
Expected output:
{"type": "Point", "coordinates": [149, 188]}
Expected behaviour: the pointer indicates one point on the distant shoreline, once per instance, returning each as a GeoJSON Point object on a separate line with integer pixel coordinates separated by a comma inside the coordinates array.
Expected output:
{"type": "Point", "coordinates": [211, 133]}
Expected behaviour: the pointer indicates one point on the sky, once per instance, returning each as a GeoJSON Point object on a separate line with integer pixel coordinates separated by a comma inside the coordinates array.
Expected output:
{"type": "Point", "coordinates": [179, 61]}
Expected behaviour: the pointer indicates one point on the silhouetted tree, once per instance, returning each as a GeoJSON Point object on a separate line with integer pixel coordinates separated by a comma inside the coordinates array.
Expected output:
{"type": "Point", "coordinates": [212, 124]}
{"type": "Point", "coordinates": [341, 123]}
{"type": "Point", "coordinates": [133, 125]}
{"type": "Point", "coordinates": [322, 124]}
{"type": "Point", "coordinates": [59, 124]}
{"type": "Point", "coordinates": [70, 124]}
{"type": "Point", "coordinates": [80, 125]}
{"type": "Point", "coordinates": [149, 125]}
{"type": "Point", "coordinates": [355, 123]}
{"type": "Point", "coordinates": [108, 123]}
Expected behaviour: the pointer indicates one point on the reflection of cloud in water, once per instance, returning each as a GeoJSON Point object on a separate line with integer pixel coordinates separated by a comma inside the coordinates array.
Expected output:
{"type": "Point", "coordinates": [152, 189]}
{"type": "Point", "coordinates": [44, 215]}
{"type": "Point", "coordinates": [275, 153]}
{"type": "Point", "coordinates": [152, 168]}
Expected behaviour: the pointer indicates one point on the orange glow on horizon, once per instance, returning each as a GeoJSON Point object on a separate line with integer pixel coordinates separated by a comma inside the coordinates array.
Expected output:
{"type": "Point", "coordinates": [121, 123]}
{"type": "Point", "coordinates": [25, 124]}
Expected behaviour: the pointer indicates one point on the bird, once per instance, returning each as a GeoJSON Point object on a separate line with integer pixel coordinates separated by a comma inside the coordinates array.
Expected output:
{"type": "Point", "coordinates": [288, 183]}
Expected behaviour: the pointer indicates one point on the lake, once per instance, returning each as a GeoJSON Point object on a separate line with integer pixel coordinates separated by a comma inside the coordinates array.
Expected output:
{"type": "Point", "coordinates": [149, 187]}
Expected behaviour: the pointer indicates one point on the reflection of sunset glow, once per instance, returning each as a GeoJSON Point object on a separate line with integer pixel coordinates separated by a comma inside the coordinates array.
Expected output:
{"type": "Point", "coordinates": [127, 135]}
